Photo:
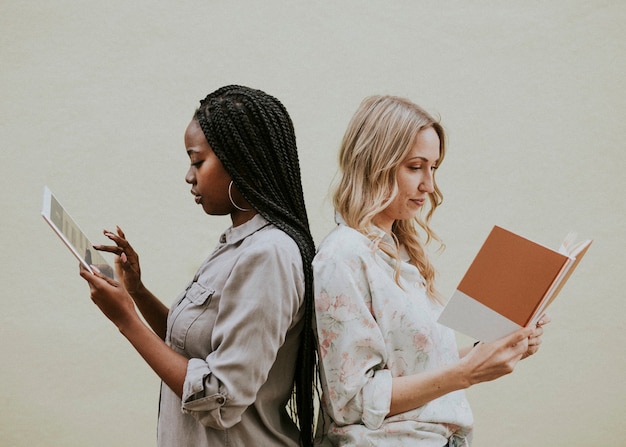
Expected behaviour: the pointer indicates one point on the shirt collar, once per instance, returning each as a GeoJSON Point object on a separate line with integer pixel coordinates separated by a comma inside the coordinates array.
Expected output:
{"type": "Point", "coordinates": [240, 232]}
{"type": "Point", "coordinates": [377, 232]}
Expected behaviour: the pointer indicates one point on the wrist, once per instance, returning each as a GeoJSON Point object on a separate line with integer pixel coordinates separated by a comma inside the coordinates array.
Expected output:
{"type": "Point", "coordinates": [138, 292]}
{"type": "Point", "coordinates": [461, 374]}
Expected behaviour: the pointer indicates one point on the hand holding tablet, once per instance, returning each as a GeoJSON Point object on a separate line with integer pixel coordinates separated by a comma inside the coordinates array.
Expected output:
{"type": "Point", "coordinates": [72, 236]}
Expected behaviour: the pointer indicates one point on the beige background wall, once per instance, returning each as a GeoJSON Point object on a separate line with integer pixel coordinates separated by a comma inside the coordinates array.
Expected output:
{"type": "Point", "coordinates": [95, 97]}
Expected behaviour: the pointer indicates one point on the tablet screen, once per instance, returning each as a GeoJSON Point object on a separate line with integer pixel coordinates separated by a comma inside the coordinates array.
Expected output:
{"type": "Point", "coordinates": [71, 234]}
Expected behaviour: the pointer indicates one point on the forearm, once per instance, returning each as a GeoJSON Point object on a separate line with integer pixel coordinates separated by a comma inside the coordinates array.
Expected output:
{"type": "Point", "coordinates": [152, 309]}
{"type": "Point", "coordinates": [410, 392]}
{"type": "Point", "coordinates": [170, 366]}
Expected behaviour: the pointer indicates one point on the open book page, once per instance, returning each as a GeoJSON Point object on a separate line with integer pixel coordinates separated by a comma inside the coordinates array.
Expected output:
{"type": "Point", "coordinates": [575, 251]}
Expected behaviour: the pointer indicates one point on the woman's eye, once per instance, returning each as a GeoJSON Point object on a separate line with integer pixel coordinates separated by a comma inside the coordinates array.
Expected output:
{"type": "Point", "coordinates": [420, 167]}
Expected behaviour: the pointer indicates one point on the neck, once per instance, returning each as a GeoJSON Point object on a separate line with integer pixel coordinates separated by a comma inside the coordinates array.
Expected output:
{"type": "Point", "coordinates": [241, 217]}
{"type": "Point", "coordinates": [383, 222]}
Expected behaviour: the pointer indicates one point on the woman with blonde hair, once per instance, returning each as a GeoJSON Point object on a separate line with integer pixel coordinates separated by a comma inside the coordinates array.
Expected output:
{"type": "Point", "coordinates": [391, 375]}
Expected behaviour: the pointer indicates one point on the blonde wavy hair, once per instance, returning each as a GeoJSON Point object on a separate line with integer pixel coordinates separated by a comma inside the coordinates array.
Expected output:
{"type": "Point", "coordinates": [378, 139]}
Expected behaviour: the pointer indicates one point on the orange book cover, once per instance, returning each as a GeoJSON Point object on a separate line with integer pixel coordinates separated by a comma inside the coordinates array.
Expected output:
{"type": "Point", "coordinates": [509, 284]}
{"type": "Point", "coordinates": [512, 275]}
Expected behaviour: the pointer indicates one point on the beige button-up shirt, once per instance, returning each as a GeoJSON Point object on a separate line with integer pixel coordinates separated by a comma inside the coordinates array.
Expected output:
{"type": "Point", "coordinates": [238, 322]}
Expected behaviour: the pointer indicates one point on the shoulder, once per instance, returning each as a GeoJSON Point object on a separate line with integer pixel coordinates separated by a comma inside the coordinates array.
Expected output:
{"type": "Point", "coordinates": [344, 243]}
{"type": "Point", "coordinates": [272, 242]}
{"type": "Point", "coordinates": [270, 235]}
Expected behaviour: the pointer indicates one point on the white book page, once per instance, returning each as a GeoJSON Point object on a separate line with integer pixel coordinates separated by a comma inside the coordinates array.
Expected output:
{"type": "Point", "coordinates": [474, 319]}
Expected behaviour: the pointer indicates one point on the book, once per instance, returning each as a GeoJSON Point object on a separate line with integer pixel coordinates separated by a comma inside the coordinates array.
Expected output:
{"type": "Point", "coordinates": [71, 234]}
{"type": "Point", "coordinates": [509, 284]}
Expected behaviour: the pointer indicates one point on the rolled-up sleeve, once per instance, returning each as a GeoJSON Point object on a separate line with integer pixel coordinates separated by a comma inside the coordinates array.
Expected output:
{"type": "Point", "coordinates": [206, 408]}
{"type": "Point", "coordinates": [259, 304]}
{"type": "Point", "coordinates": [356, 384]}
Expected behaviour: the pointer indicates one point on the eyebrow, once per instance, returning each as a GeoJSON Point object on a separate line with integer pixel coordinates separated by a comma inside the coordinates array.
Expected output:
{"type": "Point", "coordinates": [424, 159]}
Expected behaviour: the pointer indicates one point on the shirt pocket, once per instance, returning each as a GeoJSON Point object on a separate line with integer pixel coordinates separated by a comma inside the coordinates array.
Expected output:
{"type": "Point", "coordinates": [190, 307]}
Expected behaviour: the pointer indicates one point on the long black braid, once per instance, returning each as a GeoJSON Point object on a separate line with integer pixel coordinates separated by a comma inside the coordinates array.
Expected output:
{"type": "Point", "coordinates": [253, 136]}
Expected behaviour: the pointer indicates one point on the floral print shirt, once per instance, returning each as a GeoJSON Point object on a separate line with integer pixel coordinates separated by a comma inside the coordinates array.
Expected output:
{"type": "Point", "coordinates": [371, 330]}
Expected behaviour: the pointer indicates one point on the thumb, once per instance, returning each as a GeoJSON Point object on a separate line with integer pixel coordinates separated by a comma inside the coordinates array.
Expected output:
{"type": "Point", "coordinates": [99, 274]}
{"type": "Point", "coordinates": [517, 337]}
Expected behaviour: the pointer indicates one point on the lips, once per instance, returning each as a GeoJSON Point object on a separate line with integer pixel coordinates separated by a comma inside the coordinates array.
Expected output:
{"type": "Point", "coordinates": [197, 197]}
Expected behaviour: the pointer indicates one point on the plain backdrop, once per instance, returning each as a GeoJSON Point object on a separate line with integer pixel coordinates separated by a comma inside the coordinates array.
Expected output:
{"type": "Point", "coordinates": [95, 98]}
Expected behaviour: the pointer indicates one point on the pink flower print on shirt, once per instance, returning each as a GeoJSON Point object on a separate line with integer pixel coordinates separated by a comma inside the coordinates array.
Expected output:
{"type": "Point", "coordinates": [326, 340]}
{"type": "Point", "coordinates": [343, 308]}
{"type": "Point", "coordinates": [422, 341]}
{"type": "Point", "coordinates": [322, 302]}
{"type": "Point", "coordinates": [348, 369]}
{"type": "Point", "coordinates": [368, 322]}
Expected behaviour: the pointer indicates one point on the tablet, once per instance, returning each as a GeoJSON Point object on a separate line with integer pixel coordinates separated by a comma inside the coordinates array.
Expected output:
{"type": "Point", "coordinates": [71, 235]}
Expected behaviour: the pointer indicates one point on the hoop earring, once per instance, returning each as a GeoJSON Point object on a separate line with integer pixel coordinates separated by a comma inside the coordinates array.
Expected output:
{"type": "Point", "coordinates": [230, 196]}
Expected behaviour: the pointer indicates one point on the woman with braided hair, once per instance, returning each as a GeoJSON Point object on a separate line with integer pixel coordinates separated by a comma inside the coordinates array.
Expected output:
{"type": "Point", "coordinates": [237, 346]}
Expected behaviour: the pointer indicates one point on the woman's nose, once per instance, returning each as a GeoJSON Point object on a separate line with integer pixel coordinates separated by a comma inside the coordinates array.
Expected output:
{"type": "Point", "coordinates": [189, 177]}
{"type": "Point", "coordinates": [428, 184]}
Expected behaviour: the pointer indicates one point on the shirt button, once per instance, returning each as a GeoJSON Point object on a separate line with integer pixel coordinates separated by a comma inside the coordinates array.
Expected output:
{"type": "Point", "coordinates": [220, 400]}
{"type": "Point", "coordinates": [223, 238]}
